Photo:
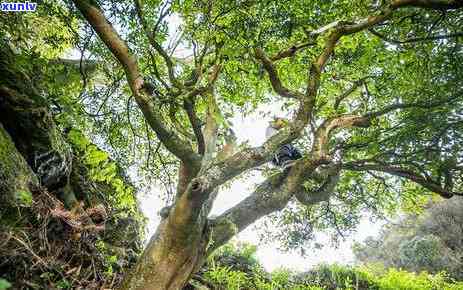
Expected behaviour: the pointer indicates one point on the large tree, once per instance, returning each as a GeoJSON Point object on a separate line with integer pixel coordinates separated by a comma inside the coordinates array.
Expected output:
{"type": "Point", "coordinates": [374, 88]}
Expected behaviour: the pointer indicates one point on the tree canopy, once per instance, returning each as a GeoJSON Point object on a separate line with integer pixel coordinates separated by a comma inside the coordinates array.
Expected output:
{"type": "Point", "coordinates": [373, 90]}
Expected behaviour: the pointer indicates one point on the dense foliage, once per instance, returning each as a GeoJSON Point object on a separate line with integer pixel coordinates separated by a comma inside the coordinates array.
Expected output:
{"type": "Point", "coordinates": [63, 200]}
{"type": "Point", "coordinates": [428, 241]}
{"type": "Point", "coordinates": [368, 72]}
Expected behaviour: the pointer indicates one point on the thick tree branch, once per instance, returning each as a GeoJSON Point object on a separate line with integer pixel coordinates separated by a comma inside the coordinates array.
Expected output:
{"type": "Point", "coordinates": [267, 198]}
{"type": "Point", "coordinates": [311, 196]}
{"type": "Point", "coordinates": [196, 123]}
{"type": "Point", "coordinates": [252, 157]}
{"type": "Point", "coordinates": [194, 202]}
{"type": "Point", "coordinates": [395, 170]}
{"type": "Point", "coordinates": [336, 30]}
{"type": "Point", "coordinates": [270, 196]}
{"type": "Point", "coordinates": [291, 51]}
{"type": "Point", "coordinates": [323, 133]}
{"type": "Point", "coordinates": [120, 50]}
{"type": "Point", "coordinates": [111, 39]}
{"type": "Point", "coordinates": [223, 170]}
{"type": "Point", "coordinates": [273, 76]}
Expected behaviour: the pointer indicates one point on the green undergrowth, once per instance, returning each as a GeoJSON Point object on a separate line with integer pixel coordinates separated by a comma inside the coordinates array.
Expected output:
{"type": "Point", "coordinates": [89, 246]}
{"type": "Point", "coordinates": [237, 268]}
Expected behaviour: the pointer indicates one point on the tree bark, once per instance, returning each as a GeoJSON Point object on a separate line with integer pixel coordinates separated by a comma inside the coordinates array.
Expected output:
{"type": "Point", "coordinates": [169, 259]}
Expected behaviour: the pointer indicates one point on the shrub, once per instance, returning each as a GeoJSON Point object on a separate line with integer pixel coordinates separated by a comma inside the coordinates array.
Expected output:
{"type": "Point", "coordinates": [236, 268]}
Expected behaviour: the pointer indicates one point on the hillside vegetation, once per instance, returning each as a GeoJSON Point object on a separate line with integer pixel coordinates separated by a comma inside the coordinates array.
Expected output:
{"type": "Point", "coordinates": [236, 268]}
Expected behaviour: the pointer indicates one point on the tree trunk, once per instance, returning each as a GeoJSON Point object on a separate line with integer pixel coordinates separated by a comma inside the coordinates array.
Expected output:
{"type": "Point", "coordinates": [169, 259]}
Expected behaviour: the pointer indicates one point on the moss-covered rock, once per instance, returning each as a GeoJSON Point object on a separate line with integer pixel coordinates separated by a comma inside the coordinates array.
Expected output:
{"type": "Point", "coordinates": [65, 221]}
{"type": "Point", "coordinates": [17, 180]}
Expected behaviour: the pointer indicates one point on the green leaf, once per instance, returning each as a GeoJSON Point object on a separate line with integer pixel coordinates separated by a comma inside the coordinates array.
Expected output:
{"type": "Point", "coordinates": [4, 284]}
{"type": "Point", "coordinates": [24, 197]}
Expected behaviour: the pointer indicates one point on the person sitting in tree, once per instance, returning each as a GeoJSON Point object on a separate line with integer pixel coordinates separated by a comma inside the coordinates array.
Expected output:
{"type": "Point", "coordinates": [286, 154]}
